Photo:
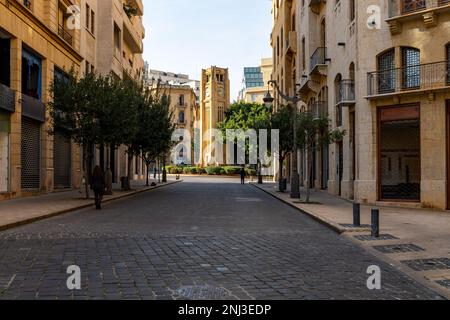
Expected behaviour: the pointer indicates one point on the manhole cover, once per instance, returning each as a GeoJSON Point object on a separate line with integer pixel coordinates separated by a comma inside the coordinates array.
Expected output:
{"type": "Point", "coordinates": [399, 248]}
{"type": "Point", "coordinates": [370, 238]}
{"type": "Point", "coordinates": [428, 264]}
{"type": "Point", "coordinates": [203, 292]}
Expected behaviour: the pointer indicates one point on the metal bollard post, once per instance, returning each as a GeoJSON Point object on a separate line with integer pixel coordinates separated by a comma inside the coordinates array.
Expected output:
{"type": "Point", "coordinates": [375, 223]}
{"type": "Point", "coordinates": [356, 214]}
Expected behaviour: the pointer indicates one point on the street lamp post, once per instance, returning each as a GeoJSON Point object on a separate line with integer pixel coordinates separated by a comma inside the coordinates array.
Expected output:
{"type": "Point", "coordinates": [295, 179]}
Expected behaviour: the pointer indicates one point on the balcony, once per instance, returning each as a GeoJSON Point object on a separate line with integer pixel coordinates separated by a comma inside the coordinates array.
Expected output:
{"type": "Point", "coordinates": [7, 99]}
{"type": "Point", "coordinates": [409, 80]}
{"type": "Point", "coordinates": [318, 62]}
{"type": "Point", "coordinates": [291, 43]}
{"type": "Point", "coordinates": [65, 35]}
{"type": "Point", "coordinates": [346, 92]}
{"type": "Point", "coordinates": [403, 10]}
{"type": "Point", "coordinates": [131, 35]}
{"type": "Point", "coordinates": [308, 86]}
{"type": "Point", "coordinates": [33, 108]}
{"type": "Point", "coordinates": [319, 109]}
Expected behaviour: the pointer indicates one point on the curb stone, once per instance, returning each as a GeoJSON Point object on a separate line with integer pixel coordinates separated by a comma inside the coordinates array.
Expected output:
{"type": "Point", "coordinates": [80, 207]}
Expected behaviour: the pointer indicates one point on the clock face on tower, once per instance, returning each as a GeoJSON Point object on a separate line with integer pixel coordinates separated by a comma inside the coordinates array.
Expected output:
{"type": "Point", "coordinates": [221, 92]}
{"type": "Point", "coordinates": [208, 91]}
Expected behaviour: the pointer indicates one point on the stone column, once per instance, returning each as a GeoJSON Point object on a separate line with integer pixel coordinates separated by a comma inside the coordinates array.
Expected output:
{"type": "Point", "coordinates": [47, 169]}
{"type": "Point", "coordinates": [16, 118]}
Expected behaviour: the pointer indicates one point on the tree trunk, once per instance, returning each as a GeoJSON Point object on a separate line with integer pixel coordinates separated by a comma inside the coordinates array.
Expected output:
{"type": "Point", "coordinates": [147, 166]}
{"type": "Point", "coordinates": [280, 172]}
{"type": "Point", "coordinates": [129, 173]}
{"type": "Point", "coordinates": [308, 174]}
{"type": "Point", "coordinates": [86, 173]}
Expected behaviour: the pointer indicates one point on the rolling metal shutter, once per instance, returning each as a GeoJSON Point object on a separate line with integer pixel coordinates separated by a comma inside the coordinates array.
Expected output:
{"type": "Point", "coordinates": [30, 154]}
{"type": "Point", "coordinates": [62, 156]}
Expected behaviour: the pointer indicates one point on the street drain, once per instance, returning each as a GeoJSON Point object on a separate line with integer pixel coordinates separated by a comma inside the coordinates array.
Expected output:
{"type": "Point", "coordinates": [399, 248]}
{"type": "Point", "coordinates": [365, 237]}
{"type": "Point", "coordinates": [203, 292]}
{"type": "Point", "coordinates": [428, 264]}
{"type": "Point", "coordinates": [444, 283]}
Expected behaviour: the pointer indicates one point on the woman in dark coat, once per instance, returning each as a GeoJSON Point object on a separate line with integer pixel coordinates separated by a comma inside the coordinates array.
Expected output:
{"type": "Point", "coordinates": [242, 174]}
{"type": "Point", "coordinates": [98, 185]}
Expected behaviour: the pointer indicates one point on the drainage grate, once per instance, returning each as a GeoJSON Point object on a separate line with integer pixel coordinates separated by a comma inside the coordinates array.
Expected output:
{"type": "Point", "coordinates": [368, 237]}
{"type": "Point", "coordinates": [444, 283]}
{"type": "Point", "coordinates": [428, 264]}
{"type": "Point", "coordinates": [202, 292]}
{"type": "Point", "coordinates": [5, 282]}
{"type": "Point", "coordinates": [352, 226]}
{"type": "Point", "coordinates": [399, 248]}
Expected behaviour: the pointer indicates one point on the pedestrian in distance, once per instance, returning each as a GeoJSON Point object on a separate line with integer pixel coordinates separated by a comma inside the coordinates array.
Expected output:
{"type": "Point", "coordinates": [242, 173]}
{"type": "Point", "coordinates": [98, 185]}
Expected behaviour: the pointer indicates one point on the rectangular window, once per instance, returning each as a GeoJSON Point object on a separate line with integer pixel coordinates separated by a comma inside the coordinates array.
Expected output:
{"type": "Point", "coordinates": [92, 22]}
{"type": "Point", "coordinates": [411, 68]}
{"type": "Point", "coordinates": [88, 17]}
{"type": "Point", "coordinates": [31, 75]}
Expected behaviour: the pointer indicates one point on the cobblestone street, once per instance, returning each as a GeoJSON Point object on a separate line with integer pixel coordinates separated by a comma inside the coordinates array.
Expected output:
{"type": "Point", "coordinates": [203, 238]}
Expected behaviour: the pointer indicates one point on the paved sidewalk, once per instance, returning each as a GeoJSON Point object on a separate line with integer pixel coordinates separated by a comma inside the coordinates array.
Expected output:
{"type": "Point", "coordinates": [417, 241]}
{"type": "Point", "coordinates": [21, 211]}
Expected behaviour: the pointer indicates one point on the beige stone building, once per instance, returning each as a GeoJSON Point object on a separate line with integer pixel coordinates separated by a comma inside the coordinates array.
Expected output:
{"type": "Point", "coordinates": [39, 40]}
{"type": "Point", "coordinates": [36, 44]}
{"type": "Point", "coordinates": [379, 69]}
{"type": "Point", "coordinates": [256, 82]}
{"type": "Point", "coordinates": [214, 102]}
{"type": "Point", "coordinates": [184, 108]}
{"type": "Point", "coordinates": [118, 48]}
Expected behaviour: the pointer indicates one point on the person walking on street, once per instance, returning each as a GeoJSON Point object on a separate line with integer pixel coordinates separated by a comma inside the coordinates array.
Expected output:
{"type": "Point", "coordinates": [242, 173]}
{"type": "Point", "coordinates": [98, 186]}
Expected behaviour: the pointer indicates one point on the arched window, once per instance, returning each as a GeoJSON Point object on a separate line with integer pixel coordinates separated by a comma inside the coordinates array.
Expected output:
{"type": "Point", "coordinates": [337, 92]}
{"type": "Point", "coordinates": [386, 74]}
{"type": "Point", "coordinates": [410, 68]}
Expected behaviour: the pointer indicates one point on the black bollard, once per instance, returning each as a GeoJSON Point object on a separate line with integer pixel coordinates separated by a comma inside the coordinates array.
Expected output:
{"type": "Point", "coordinates": [356, 214]}
{"type": "Point", "coordinates": [375, 223]}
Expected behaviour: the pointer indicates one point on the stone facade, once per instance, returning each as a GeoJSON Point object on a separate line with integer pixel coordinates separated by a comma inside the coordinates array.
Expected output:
{"type": "Point", "coordinates": [214, 102]}
{"type": "Point", "coordinates": [38, 40]}
{"type": "Point", "coordinates": [379, 69]}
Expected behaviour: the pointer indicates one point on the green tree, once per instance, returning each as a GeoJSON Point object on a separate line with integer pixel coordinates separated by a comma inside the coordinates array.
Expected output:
{"type": "Point", "coordinates": [93, 110]}
{"type": "Point", "coordinates": [282, 120]}
{"type": "Point", "coordinates": [245, 116]}
{"type": "Point", "coordinates": [156, 127]}
{"type": "Point", "coordinates": [314, 131]}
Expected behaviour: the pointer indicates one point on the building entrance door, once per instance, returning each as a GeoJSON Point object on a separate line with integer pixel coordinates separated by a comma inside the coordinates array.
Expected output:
{"type": "Point", "coordinates": [399, 153]}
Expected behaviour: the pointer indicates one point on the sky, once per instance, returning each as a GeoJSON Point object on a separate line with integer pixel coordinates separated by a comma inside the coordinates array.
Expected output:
{"type": "Point", "coordinates": [184, 36]}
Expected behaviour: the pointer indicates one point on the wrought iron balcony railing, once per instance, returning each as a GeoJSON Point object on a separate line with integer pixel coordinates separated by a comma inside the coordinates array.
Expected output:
{"type": "Point", "coordinates": [346, 92]}
{"type": "Point", "coordinates": [404, 7]}
{"type": "Point", "coordinates": [7, 98]}
{"type": "Point", "coordinates": [424, 76]}
{"type": "Point", "coordinates": [318, 58]}
{"type": "Point", "coordinates": [65, 35]}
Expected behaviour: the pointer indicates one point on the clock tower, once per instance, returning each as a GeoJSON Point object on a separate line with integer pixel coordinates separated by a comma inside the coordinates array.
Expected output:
{"type": "Point", "coordinates": [214, 102]}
